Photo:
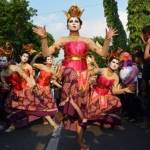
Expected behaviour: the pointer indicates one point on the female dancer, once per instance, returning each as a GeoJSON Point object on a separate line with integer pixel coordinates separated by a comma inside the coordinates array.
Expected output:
{"type": "Point", "coordinates": [103, 103]}
{"type": "Point", "coordinates": [23, 101]}
{"type": "Point", "coordinates": [43, 81]}
{"type": "Point", "coordinates": [18, 98]}
{"type": "Point", "coordinates": [74, 67]}
{"type": "Point", "coordinates": [4, 87]}
{"type": "Point", "coordinates": [29, 48]}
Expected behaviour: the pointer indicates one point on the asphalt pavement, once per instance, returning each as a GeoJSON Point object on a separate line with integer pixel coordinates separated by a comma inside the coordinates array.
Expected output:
{"type": "Point", "coordinates": [41, 137]}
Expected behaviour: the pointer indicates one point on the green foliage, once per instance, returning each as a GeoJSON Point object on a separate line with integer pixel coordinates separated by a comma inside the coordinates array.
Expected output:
{"type": "Point", "coordinates": [138, 17]}
{"type": "Point", "coordinates": [99, 60]}
{"type": "Point", "coordinates": [112, 18]}
{"type": "Point", "coordinates": [50, 42]}
{"type": "Point", "coordinates": [16, 24]}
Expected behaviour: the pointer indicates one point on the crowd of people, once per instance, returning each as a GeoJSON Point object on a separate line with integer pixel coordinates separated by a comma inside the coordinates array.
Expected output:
{"type": "Point", "coordinates": [85, 93]}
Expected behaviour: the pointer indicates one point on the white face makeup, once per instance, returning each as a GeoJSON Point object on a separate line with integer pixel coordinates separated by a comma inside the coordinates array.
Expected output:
{"type": "Point", "coordinates": [24, 58]}
{"type": "Point", "coordinates": [114, 64]}
{"type": "Point", "coordinates": [3, 61]}
{"type": "Point", "coordinates": [49, 60]}
{"type": "Point", "coordinates": [74, 24]}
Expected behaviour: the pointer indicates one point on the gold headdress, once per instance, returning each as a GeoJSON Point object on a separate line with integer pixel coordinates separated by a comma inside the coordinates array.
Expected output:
{"type": "Point", "coordinates": [74, 11]}
{"type": "Point", "coordinates": [115, 54]}
{"type": "Point", "coordinates": [28, 48]}
{"type": "Point", "coordinates": [6, 52]}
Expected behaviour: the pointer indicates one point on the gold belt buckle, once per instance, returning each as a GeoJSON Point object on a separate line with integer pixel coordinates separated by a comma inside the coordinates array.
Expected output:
{"type": "Point", "coordinates": [75, 58]}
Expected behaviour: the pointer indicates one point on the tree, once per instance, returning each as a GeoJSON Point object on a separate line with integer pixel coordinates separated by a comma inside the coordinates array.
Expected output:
{"type": "Point", "coordinates": [99, 60]}
{"type": "Point", "coordinates": [112, 18]}
{"type": "Point", "coordinates": [16, 24]}
{"type": "Point", "coordinates": [138, 17]}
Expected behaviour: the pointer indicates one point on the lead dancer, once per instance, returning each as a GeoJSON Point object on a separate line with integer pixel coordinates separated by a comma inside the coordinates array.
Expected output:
{"type": "Point", "coordinates": [75, 88]}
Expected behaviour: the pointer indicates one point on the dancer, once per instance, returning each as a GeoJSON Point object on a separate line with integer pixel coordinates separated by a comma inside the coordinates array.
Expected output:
{"type": "Point", "coordinates": [18, 98]}
{"type": "Point", "coordinates": [29, 48]}
{"type": "Point", "coordinates": [45, 78]}
{"type": "Point", "coordinates": [103, 104]}
{"type": "Point", "coordinates": [24, 104]}
{"type": "Point", "coordinates": [4, 87]}
{"type": "Point", "coordinates": [75, 89]}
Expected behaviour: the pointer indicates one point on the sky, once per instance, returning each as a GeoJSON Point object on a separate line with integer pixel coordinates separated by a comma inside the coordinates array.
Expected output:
{"type": "Point", "coordinates": [50, 13]}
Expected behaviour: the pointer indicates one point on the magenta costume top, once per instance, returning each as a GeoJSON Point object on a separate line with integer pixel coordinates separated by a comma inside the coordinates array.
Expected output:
{"type": "Point", "coordinates": [104, 85]}
{"type": "Point", "coordinates": [16, 82]}
{"type": "Point", "coordinates": [44, 78]}
{"type": "Point", "coordinates": [75, 53]}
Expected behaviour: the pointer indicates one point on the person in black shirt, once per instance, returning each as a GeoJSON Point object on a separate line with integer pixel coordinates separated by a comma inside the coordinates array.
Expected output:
{"type": "Point", "coordinates": [146, 73]}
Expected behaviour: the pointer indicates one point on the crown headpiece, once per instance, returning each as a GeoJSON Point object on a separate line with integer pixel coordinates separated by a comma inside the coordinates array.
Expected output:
{"type": "Point", "coordinates": [115, 54]}
{"type": "Point", "coordinates": [28, 48]}
{"type": "Point", "coordinates": [74, 11]}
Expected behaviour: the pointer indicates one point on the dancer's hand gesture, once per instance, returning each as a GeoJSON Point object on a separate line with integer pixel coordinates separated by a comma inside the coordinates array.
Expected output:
{"type": "Point", "coordinates": [40, 31]}
{"type": "Point", "coordinates": [110, 32]}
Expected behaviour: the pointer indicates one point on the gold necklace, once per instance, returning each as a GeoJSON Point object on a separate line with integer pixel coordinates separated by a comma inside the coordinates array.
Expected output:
{"type": "Point", "coordinates": [22, 66]}
{"type": "Point", "coordinates": [109, 72]}
{"type": "Point", "coordinates": [74, 35]}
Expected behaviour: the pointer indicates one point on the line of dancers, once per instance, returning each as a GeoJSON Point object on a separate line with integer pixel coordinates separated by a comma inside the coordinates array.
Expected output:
{"type": "Point", "coordinates": [88, 93]}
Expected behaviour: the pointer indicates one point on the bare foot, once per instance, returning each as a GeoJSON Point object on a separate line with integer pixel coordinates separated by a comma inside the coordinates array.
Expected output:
{"type": "Point", "coordinates": [107, 126]}
{"type": "Point", "coordinates": [84, 147]}
{"type": "Point", "coordinates": [119, 127]}
{"type": "Point", "coordinates": [56, 130]}
{"type": "Point", "coordinates": [84, 120]}
{"type": "Point", "coordinates": [45, 123]}
{"type": "Point", "coordinates": [10, 129]}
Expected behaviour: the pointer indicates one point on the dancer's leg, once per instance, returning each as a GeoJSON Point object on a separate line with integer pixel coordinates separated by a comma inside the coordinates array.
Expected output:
{"type": "Point", "coordinates": [51, 122]}
{"type": "Point", "coordinates": [80, 133]}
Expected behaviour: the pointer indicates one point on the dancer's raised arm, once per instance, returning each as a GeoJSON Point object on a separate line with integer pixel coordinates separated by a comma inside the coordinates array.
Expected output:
{"type": "Point", "coordinates": [103, 51]}
{"type": "Point", "coordinates": [46, 51]}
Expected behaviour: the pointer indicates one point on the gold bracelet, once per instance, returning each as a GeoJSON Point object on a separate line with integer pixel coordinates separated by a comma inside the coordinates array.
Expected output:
{"type": "Point", "coordinates": [44, 37]}
{"type": "Point", "coordinates": [107, 39]}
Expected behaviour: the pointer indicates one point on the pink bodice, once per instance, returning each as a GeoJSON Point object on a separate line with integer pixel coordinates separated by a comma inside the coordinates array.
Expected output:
{"type": "Point", "coordinates": [75, 55]}
{"type": "Point", "coordinates": [103, 85]}
{"type": "Point", "coordinates": [44, 78]}
{"type": "Point", "coordinates": [16, 81]}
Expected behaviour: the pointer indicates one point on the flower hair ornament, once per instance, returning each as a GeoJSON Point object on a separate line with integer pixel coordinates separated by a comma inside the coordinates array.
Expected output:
{"type": "Point", "coordinates": [125, 56]}
{"type": "Point", "coordinates": [74, 11]}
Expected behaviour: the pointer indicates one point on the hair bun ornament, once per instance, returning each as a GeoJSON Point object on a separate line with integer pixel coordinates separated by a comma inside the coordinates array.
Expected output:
{"type": "Point", "coordinates": [74, 11]}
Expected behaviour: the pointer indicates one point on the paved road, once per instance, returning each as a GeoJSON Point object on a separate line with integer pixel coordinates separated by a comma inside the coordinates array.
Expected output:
{"type": "Point", "coordinates": [39, 137]}
{"type": "Point", "coordinates": [132, 138]}
{"type": "Point", "coordinates": [34, 137]}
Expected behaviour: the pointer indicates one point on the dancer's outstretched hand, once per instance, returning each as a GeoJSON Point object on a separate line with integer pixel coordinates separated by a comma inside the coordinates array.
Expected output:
{"type": "Point", "coordinates": [40, 31]}
{"type": "Point", "coordinates": [110, 32]}
{"type": "Point", "coordinates": [129, 90]}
